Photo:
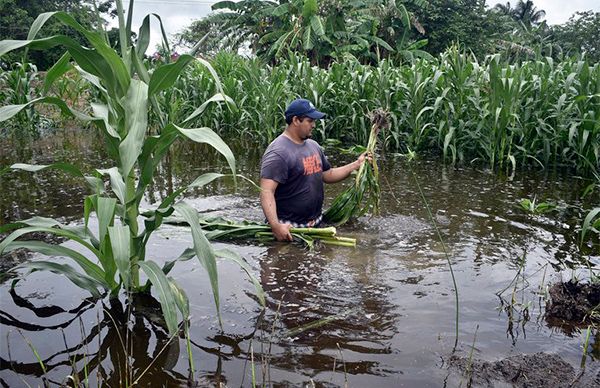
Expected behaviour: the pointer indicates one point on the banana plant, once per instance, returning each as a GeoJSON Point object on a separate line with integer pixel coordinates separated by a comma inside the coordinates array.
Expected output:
{"type": "Point", "coordinates": [128, 91]}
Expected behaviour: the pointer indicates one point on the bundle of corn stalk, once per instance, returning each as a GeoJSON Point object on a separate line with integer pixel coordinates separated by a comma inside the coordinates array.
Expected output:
{"type": "Point", "coordinates": [364, 194]}
{"type": "Point", "coordinates": [221, 229]}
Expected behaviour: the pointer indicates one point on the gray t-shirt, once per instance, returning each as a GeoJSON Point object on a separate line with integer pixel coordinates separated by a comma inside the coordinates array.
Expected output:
{"type": "Point", "coordinates": [298, 168]}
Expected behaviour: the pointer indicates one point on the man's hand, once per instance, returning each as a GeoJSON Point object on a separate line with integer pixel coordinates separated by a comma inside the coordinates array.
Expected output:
{"type": "Point", "coordinates": [282, 232]}
{"type": "Point", "coordinates": [364, 156]}
{"type": "Point", "coordinates": [337, 174]}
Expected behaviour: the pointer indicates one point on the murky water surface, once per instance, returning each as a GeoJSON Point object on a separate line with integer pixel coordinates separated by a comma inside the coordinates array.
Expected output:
{"type": "Point", "coordinates": [381, 314]}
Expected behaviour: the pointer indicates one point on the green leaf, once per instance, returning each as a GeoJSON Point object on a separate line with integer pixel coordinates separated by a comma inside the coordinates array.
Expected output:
{"type": "Point", "coordinates": [205, 179]}
{"type": "Point", "coordinates": [203, 249]}
{"type": "Point", "coordinates": [10, 45]}
{"type": "Point", "coordinates": [216, 98]}
{"type": "Point", "coordinates": [59, 68]}
{"type": "Point", "coordinates": [8, 111]}
{"type": "Point", "coordinates": [162, 285]}
{"type": "Point", "coordinates": [187, 254]}
{"type": "Point", "coordinates": [136, 122]}
{"type": "Point", "coordinates": [106, 212]}
{"type": "Point", "coordinates": [120, 242]}
{"type": "Point", "coordinates": [116, 182]}
{"type": "Point", "coordinates": [281, 10]}
{"type": "Point", "coordinates": [143, 37]}
{"type": "Point", "coordinates": [89, 60]}
{"type": "Point", "coordinates": [118, 69]}
{"type": "Point", "coordinates": [235, 257]}
{"type": "Point", "coordinates": [91, 269]}
{"type": "Point", "coordinates": [165, 76]}
{"type": "Point", "coordinates": [381, 42]}
{"type": "Point", "coordinates": [37, 24]}
{"type": "Point", "coordinates": [587, 223]}
{"type": "Point", "coordinates": [181, 299]}
{"type": "Point", "coordinates": [66, 167]}
{"type": "Point", "coordinates": [59, 232]}
{"type": "Point", "coordinates": [101, 112]}
{"type": "Point", "coordinates": [208, 136]}
{"type": "Point", "coordinates": [307, 40]}
{"type": "Point", "coordinates": [309, 8]}
{"type": "Point", "coordinates": [317, 25]}
{"type": "Point", "coordinates": [225, 5]}
{"type": "Point", "coordinates": [80, 280]}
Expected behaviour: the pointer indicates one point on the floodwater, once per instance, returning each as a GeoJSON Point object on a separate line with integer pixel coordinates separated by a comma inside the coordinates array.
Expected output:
{"type": "Point", "coordinates": [381, 314]}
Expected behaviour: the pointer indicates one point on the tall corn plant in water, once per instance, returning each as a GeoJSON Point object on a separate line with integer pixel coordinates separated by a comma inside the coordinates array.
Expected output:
{"type": "Point", "coordinates": [128, 92]}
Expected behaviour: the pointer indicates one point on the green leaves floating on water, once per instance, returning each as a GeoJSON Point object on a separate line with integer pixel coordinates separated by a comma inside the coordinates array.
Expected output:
{"type": "Point", "coordinates": [532, 207]}
{"type": "Point", "coordinates": [364, 195]}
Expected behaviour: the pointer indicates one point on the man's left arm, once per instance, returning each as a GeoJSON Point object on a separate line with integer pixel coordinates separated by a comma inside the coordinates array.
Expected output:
{"type": "Point", "coordinates": [337, 174]}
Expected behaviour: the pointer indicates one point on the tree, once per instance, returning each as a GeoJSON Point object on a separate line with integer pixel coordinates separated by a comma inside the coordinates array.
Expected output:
{"type": "Point", "coordinates": [467, 22]}
{"type": "Point", "coordinates": [17, 15]}
{"type": "Point", "coordinates": [322, 30]}
{"type": "Point", "coordinates": [526, 13]}
{"type": "Point", "coordinates": [580, 34]}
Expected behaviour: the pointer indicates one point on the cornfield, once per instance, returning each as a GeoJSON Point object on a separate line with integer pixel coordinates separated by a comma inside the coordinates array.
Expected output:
{"type": "Point", "coordinates": [507, 116]}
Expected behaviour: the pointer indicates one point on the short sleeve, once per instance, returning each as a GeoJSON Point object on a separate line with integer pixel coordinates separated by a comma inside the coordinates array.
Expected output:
{"type": "Point", "coordinates": [324, 161]}
{"type": "Point", "coordinates": [274, 167]}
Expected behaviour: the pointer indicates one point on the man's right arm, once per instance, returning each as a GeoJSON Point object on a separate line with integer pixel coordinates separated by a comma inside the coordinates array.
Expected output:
{"type": "Point", "coordinates": [269, 206]}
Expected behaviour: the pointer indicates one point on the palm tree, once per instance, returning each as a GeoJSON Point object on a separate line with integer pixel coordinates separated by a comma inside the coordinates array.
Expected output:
{"type": "Point", "coordinates": [504, 9]}
{"type": "Point", "coordinates": [524, 12]}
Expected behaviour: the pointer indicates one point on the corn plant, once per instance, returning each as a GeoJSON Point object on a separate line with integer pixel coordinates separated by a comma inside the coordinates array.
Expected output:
{"type": "Point", "coordinates": [17, 86]}
{"type": "Point", "coordinates": [534, 207]}
{"type": "Point", "coordinates": [507, 116]}
{"type": "Point", "coordinates": [591, 223]}
{"type": "Point", "coordinates": [127, 92]}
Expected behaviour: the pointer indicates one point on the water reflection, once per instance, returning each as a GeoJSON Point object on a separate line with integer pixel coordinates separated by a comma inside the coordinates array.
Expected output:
{"type": "Point", "coordinates": [381, 314]}
{"type": "Point", "coordinates": [328, 305]}
{"type": "Point", "coordinates": [117, 343]}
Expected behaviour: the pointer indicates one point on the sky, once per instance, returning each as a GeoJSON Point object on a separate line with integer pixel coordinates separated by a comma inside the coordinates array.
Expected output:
{"type": "Point", "coordinates": [176, 14]}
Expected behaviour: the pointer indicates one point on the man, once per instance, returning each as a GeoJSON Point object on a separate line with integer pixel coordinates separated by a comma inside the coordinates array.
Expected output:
{"type": "Point", "coordinates": [292, 173]}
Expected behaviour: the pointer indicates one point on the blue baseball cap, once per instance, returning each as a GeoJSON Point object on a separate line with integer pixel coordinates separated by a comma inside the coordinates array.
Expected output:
{"type": "Point", "coordinates": [303, 107]}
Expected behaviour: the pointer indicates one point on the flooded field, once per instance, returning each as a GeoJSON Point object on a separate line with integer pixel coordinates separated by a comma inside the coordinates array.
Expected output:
{"type": "Point", "coordinates": [381, 314]}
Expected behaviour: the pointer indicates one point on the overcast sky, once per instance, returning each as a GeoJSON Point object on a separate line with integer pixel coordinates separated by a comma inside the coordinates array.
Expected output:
{"type": "Point", "coordinates": [176, 14]}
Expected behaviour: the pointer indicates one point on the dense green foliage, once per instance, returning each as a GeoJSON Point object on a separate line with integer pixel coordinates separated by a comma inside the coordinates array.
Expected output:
{"type": "Point", "coordinates": [468, 22]}
{"type": "Point", "coordinates": [580, 34]}
{"type": "Point", "coordinates": [542, 112]}
{"type": "Point", "coordinates": [322, 30]}
{"type": "Point", "coordinates": [17, 15]}
{"type": "Point", "coordinates": [371, 30]}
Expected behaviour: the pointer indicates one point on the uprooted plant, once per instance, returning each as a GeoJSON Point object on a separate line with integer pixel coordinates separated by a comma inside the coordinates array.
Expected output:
{"type": "Point", "coordinates": [364, 194]}
{"type": "Point", "coordinates": [127, 92]}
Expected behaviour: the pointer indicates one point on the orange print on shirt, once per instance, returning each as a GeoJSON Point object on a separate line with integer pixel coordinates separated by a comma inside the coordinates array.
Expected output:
{"type": "Point", "coordinates": [312, 164]}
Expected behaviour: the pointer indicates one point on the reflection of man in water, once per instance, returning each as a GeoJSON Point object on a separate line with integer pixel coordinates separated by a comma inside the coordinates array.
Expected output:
{"type": "Point", "coordinates": [292, 173]}
{"type": "Point", "coordinates": [325, 303]}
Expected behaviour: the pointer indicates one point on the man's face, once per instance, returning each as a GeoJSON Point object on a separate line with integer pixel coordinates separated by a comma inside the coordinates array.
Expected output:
{"type": "Point", "coordinates": [305, 126]}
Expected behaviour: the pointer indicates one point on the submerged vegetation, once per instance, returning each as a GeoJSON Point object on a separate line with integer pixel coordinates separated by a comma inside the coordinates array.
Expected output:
{"type": "Point", "coordinates": [125, 91]}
